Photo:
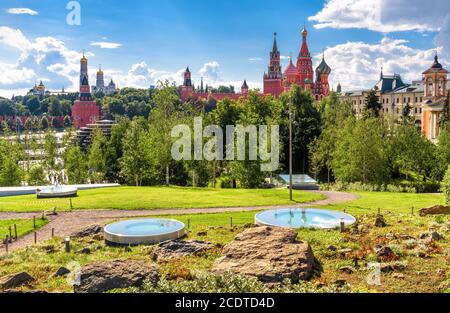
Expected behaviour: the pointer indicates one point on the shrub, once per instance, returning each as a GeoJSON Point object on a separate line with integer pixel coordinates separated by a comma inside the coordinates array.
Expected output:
{"type": "Point", "coordinates": [445, 186]}
{"type": "Point", "coordinates": [358, 186]}
{"type": "Point", "coordinates": [229, 283]}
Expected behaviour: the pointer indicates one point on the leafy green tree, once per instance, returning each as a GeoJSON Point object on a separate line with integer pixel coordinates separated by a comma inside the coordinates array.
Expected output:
{"type": "Point", "coordinates": [114, 149]}
{"type": "Point", "coordinates": [306, 126]}
{"type": "Point", "coordinates": [116, 107]}
{"type": "Point", "coordinates": [161, 121]}
{"type": "Point", "coordinates": [96, 157]}
{"type": "Point", "coordinates": [36, 176]}
{"type": "Point", "coordinates": [11, 153]}
{"type": "Point", "coordinates": [28, 124]}
{"type": "Point", "coordinates": [75, 165]}
{"type": "Point", "coordinates": [34, 105]}
{"type": "Point", "coordinates": [54, 123]}
{"type": "Point", "coordinates": [67, 122]}
{"type": "Point", "coordinates": [10, 173]}
{"type": "Point", "coordinates": [372, 104]}
{"type": "Point", "coordinates": [334, 112]}
{"type": "Point", "coordinates": [136, 164]}
{"type": "Point", "coordinates": [360, 154]}
{"type": "Point", "coordinates": [411, 152]}
{"type": "Point", "coordinates": [257, 111]}
{"type": "Point", "coordinates": [406, 114]}
{"type": "Point", "coordinates": [43, 124]}
{"type": "Point", "coordinates": [445, 116]}
{"type": "Point", "coordinates": [442, 154]}
{"type": "Point", "coordinates": [445, 186]}
{"type": "Point", "coordinates": [51, 155]}
{"type": "Point", "coordinates": [54, 106]}
{"type": "Point", "coordinates": [66, 107]}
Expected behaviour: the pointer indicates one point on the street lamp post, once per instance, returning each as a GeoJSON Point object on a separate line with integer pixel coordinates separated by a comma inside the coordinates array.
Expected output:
{"type": "Point", "coordinates": [290, 150]}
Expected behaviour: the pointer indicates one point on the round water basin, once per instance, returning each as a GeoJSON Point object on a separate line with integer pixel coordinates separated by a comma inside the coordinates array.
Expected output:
{"type": "Point", "coordinates": [303, 218]}
{"type": "Point", "coordinates": [144, 231]}
{"type": "Point", "coordinates": [56, 192]}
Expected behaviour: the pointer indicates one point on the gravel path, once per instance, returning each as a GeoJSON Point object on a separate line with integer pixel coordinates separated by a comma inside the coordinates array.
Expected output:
{"type": "Point", "coordinates": [66, 223]}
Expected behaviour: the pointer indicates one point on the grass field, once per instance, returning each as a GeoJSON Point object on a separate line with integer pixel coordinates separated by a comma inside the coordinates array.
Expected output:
{"type": "Point", "coordinates": [370, 202]}
{"type": "Point", "coordinates": [421, 274]}
{"type": "Point", "coordinates": [129, 198]}
{"type": "Point", "coordinates": [24, 226]}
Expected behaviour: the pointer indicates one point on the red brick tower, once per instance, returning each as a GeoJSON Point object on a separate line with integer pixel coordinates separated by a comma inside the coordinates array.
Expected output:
{"type": "Point", "coordinates": [273, 78]}
{"type": "Point", "coordinates": [304, 64]}
{"type": "Point", "coordinates": [84, 110]}
{"type": "Point", "coordinates": [187, 89]}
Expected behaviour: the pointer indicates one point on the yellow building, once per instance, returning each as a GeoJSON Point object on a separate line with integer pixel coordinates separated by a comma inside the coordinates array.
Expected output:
{"type": "Point", "coordinates": [425, 98]}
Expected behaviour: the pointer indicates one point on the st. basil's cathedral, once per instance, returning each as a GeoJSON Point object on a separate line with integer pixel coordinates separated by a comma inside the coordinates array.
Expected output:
{"type": "Point", "coordinates": [276, 81]}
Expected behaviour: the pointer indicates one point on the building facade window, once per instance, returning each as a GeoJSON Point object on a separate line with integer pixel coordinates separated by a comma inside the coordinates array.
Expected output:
{"type": "Point", "coordinates": [429, 87]}
{"type": "Point", "coordinates": [441, 87]}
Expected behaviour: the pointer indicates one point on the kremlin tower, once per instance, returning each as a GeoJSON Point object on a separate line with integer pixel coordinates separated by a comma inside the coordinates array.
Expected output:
{"type": "Point", "coordinates": [275, 83]}
{"type": "Point", "coordinates": [273, 77]}
{"type": "Point", "coordinates": [84, 110]}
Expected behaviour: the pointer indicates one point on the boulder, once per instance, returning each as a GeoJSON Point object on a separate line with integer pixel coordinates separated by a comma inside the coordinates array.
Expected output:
{"type": "Point", "coordinates": [347, 269]}
{"type": "Point", "coordinates": [345, 251]}
{"type": "Point", "coordinates": [432, 236]}
{"type": "Point", "coordinates": [392, 267]}
{"type": "Point", "coordinates": [271, 254]}
{"type": "Point", "coordinates": [62, 271]}
{"type": "Point", "coordinates": [85, 251]}
{"type": "Point", "coordinates": [88, 231]}
{"type": "Point", "coordinates": [379, 221]}
{"type": "Point", "coordinates": [434, 210]}
{"type": "Point", "coordinates": [170, 250]}
{"type": "Point", "coordinates": [331, 248]}
{"type": "Point", "coordinates": [15, 280]}
{"type": "Point", "coordinates": [107, 275]}
{"type": "Point", "coordinates": [383, 251]}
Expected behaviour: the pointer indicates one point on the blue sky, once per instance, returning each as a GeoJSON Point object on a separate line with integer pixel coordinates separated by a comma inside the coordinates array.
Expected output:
{"type": "Point", "coordinates": [138, 42]}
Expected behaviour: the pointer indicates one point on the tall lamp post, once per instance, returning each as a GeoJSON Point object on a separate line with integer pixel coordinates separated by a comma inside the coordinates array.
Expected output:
{"type": "Point", "coordinates": [290, 149]}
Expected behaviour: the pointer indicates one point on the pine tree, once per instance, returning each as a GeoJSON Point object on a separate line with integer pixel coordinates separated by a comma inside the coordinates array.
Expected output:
{"type": "Point", "coordinates": [372, 104]}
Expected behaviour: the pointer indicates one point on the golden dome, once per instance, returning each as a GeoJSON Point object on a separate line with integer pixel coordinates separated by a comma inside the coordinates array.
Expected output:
{"type": "Point", "coordinates": [84, 59]}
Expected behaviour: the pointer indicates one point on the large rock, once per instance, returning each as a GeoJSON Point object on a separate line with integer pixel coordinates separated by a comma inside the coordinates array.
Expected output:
{"type": "Point", "coordinates": [271, 254]}
{"type": "Point", "coordinates": [15, 280]}
{"type": "Point", "coordinates": [437, 209]}
{"type": "Point", "coordinates": [107, 275]}
{"type": "Point", "coordinates": [380, 221]}
{"type": "Point", "coordinates": [170, 250]}
{"type": "Point", "coordinates": [88, 231]}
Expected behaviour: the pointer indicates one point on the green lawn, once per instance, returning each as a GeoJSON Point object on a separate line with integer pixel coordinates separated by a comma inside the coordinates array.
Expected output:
{"type": "Point", "coordinates": [129, 198]}
{"type": "Point", "coordinates": [369, 202]}
{"type": "Point", "coordinates": [24, 226]}
{"type": "Point", "coordinates": [215, 228]}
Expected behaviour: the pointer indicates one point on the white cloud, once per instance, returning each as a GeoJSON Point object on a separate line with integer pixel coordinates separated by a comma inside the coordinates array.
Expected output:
{"type": "Point", "coordinates": [211, 71]}
{"type": "Point", "coordinates": [22, 11]}
{"type": "Point", "coordinates": [106, 45]}
{"type": "Point", "coordinates": [44, 58]}
{"type": "Point", "coordinates": [255, 59]}
{"type": "Point", "coordinates": [383, 15]}
{"type": "Point", "coordinates": [357, 64]}
{"type": "Point", "coordinates": [141, 75]}
{"type": "Point", "coordinates": [14, 38]}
